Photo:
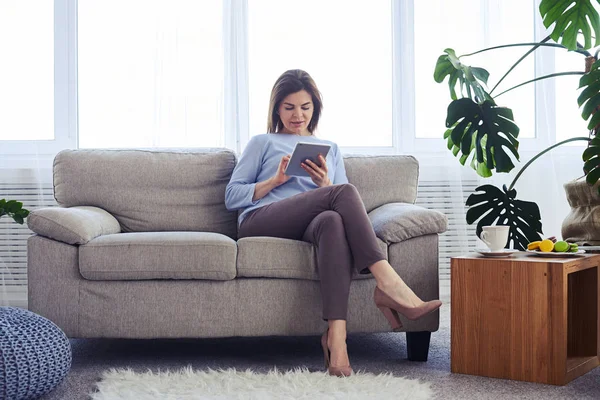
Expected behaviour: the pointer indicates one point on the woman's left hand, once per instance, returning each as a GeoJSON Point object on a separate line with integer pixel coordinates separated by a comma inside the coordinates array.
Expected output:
{"type": "Point", "coordinates": [317, 174]}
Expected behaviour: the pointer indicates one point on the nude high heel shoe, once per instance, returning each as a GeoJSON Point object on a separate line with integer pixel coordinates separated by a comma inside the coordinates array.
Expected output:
{"type": "Point", "coordinates": [390, 308]}
{"type": "Point", "coordinates": [333, 371]}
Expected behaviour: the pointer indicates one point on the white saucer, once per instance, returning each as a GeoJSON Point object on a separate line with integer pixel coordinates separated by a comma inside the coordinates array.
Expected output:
{"type": "Point", "coordinates": [500, 253]}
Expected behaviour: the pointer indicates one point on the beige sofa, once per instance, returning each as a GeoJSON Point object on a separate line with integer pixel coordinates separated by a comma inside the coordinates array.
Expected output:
{"type": "Point", "coordinates": [142, 246]}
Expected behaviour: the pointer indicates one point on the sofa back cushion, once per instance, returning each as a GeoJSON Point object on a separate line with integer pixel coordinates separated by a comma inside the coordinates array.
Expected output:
{"type": "Point", "coordinates": [383, 179]}
{"type": "Point", "coordinates": [150, 190]}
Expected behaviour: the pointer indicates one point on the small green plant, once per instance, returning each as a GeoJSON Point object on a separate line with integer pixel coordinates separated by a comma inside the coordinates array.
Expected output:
{"type": "Point", "coordinates": [13, 209]}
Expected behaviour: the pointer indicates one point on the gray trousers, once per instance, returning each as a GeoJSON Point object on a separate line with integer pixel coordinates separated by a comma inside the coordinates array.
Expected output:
{"type": "Point", "coordinates": [334, 219]}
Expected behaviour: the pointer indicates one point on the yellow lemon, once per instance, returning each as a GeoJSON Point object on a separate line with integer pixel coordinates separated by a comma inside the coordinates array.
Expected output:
{"type": "Point", "coordinates": [546, 246]}
{"type": "Point", "coordinates": [534, 245]}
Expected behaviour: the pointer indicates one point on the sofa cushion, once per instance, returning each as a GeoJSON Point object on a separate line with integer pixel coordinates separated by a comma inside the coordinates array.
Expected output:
{"type": "Point", "coordinates": [150, 190]}
{"type": "Point", "coordinates": [397, 222]}
{"type": "Point", "coordinates": [383, 179]}
{"type": "Point", "coordinates": [271, 257]}
{"type": "Point", "coordinates": [159, 255]}
{"type": "Point", "coordinates": [75, 225]}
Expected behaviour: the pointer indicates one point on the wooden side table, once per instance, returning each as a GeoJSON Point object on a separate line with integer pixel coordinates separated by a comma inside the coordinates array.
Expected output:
{"type": "Point", "coordinates": [524, 317]}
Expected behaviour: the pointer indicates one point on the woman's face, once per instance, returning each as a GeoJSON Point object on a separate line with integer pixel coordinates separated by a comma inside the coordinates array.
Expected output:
{"type": "Point", "coordinates": [296, 111]}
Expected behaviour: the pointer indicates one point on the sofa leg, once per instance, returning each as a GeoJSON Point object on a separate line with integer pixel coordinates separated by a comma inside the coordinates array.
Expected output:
{"type": "Point", "coordinates": [417, 345]}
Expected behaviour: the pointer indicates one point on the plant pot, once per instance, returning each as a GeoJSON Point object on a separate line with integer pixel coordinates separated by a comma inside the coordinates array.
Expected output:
{"type": "Point", "coordinates": [582, 224]}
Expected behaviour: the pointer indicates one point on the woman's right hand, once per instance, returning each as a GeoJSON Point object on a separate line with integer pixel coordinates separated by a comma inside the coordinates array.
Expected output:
{"type": "Point", "coordinates": [280, 177]}
{"type": "Point", "coordinates": [262, 188]}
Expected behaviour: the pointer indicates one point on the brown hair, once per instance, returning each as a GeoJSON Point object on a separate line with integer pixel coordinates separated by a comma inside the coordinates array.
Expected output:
{"type": "Point", "coordinates": [289, 82]}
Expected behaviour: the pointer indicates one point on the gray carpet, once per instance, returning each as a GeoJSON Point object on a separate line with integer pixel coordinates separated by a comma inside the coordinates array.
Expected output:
{"type": "Point", "coordinates": [375, 353]}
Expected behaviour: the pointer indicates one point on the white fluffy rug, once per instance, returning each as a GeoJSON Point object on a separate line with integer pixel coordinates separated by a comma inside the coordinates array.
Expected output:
{"type": "Point", "coordinates": [187, 384]}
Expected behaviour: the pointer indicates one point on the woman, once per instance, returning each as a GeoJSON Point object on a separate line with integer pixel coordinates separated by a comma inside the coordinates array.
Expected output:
{"type": "Point", "coordinates": [323, 209]}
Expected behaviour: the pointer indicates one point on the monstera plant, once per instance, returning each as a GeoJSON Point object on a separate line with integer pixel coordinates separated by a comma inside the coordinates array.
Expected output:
{"type": "Point", "coordinates": [13, 209]}
{"type": "Point", "coordinates": [484, 133]}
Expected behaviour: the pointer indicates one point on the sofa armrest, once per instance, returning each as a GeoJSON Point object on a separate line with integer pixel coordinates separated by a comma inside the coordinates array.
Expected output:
{"type": "Point", "coordinates": [74, 225]}
{"type": "Point", "coordinates": [396, 222]}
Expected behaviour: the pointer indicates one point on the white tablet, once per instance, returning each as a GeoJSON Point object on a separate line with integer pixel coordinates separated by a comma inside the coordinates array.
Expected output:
{"type": "Point", "coordinates": [303, 151]}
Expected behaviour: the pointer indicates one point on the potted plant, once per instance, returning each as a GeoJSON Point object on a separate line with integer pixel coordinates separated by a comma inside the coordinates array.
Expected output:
{"type": "Point", "coordinates": [482, 131]}
{"type": "Point", "coordinates": [15, 210]}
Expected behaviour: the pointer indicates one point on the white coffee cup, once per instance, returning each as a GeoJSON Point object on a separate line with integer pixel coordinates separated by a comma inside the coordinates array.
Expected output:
{"type": "Point", "coordinates": [495, 236]}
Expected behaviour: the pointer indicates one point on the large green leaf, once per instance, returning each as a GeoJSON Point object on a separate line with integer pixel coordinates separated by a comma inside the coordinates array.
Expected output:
{"type": "Point", "coordinates": [492, 206]}
{"type": "Point", "coordinates": [590, 96]}
{"type": "Point", "coordinates": [13, 209]}
{"type": "Point", "coordinates": [469, 79]}
{"type": "Point", "coordinates": [485, 128]}
{"type": "Point", "coordinates": [571, 18]}
{"type": "Point", "coordinates": [591, 159]}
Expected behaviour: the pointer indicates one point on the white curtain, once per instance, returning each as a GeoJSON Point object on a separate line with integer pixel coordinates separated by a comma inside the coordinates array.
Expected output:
{"type": "Point", "coordinates": [30, 182]}
{"type": "Point", "coordinates": [155, 78]}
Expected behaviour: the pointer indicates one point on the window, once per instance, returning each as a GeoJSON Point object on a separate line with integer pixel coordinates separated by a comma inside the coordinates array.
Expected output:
{"type": "Point", "coordinates": [569, 122]}
{"type": "Point", "coordinates": [351, 64]}
{"type": "Point", "coordinates": [151, 74]}
{"type": "Point", "coordinates": [157, 76]}
{"type": "Point", "coordinates": [27, 77]}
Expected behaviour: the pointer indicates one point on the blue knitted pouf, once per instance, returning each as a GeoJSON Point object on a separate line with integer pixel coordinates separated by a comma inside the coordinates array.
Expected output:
{"type": "Point", "coordinates": [35, 355]}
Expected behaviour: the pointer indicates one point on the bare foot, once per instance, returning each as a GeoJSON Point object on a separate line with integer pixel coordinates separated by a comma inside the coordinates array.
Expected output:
{"type": "Point", "coordinates": [338, 350]}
